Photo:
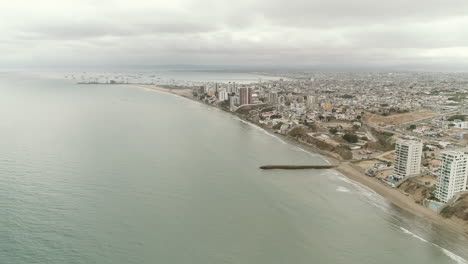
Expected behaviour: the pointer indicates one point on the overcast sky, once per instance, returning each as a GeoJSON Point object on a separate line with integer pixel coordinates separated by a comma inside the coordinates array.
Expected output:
{"type": "Point", "coordinates": [398, 34]}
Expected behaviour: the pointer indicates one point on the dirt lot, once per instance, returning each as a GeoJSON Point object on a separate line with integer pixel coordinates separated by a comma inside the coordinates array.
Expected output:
{"type": "Point", "coordinates": [389, 156]}
{"type": "Point", "coordinates": [398, 119]}
{"type": "Point", "coordinates": [364, 165]}
{"type": "Point", "coordinates": [425, 179]}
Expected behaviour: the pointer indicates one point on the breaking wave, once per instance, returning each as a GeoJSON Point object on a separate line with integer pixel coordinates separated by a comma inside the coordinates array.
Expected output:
{"type": "Point", "coordinates": [450, 254]}
{"type": "Point", "coordinates": [343, 189]}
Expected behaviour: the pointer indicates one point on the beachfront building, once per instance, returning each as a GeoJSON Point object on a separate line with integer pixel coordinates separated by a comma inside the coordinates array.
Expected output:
{"type": "Point", "coordinates": [222, 95]}
{"type": "Point", "coordinates": [245, 95]}
{"type": "Point", "coordinates": [453, 174]}
{"type": "Point", "coordinates": [232, 87]}
{"type": "Point", "coordinates": [407, 158]}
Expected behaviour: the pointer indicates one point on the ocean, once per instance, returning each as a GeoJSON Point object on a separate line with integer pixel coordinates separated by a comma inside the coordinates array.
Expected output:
{"type": "Point", "coordinates": [119, 174]}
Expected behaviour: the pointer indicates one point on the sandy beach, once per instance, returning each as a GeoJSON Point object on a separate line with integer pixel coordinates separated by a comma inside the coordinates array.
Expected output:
{"type": "Point", "coordinates": [181, 92]}
{"type": "Point", "coordinates": [399, 199]}
{"type": "Point", "coordinates": [352, 172]}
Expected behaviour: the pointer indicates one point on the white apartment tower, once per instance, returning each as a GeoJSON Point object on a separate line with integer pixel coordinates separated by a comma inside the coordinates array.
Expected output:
{"type": "Point", "coordinates": [407, 158]}
{"type": "Point", "coordinates": [222, 95]}
{"type": "Point", "coordinates": [453, 174]}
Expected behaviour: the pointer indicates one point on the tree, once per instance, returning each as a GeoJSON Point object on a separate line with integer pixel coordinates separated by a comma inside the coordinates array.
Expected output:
{"type": "Point", "coordinates": [455, 117]}
{"type": "Point", "coordinates": [412, 127]}
{"type": "Point", "coordinates": [333, 130]}
{"type": "Point", "coordinates": [350, 137]}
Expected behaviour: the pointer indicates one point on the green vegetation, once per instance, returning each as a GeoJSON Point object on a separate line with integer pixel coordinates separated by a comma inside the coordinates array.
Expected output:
{"type": "Point", "coordinates": [412, 127]}
{"type": "Point", "coordinates": [426, 148]}
{"type": "Point", "coordinates": [383, 140]}
{"type": "Point", "coordinates": [225, 105]}
{"type": "Point", "coordinates": [277, 116]}
{"type": "Point", "coordinates": [296, 132]}
{"type": "Point", "coordinates": [310, 126]}
{"type": "Point", "coordinates": [458, 97]}
{"type": "Point", "coordinates": [268, 109]}
{"type": "Point", "coordinates": [333, 130]}
{"type": "Point", "coordinates": [457, 117]}
{"type": "Point", "coordinates": [350, 137]}
{"type": "Point", "coordinates": [347, 96]}
{"type": "Point", "coordinates": [278, 125]}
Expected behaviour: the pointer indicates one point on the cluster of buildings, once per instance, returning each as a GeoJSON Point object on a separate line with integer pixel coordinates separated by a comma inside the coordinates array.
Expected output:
{"type": "Point", "coordinates": [335, 104]}
{"type": "Point", "coordinates": [452, 174]}
{"type": "Point", "coordinates": [317, 97]}
{"type": "Point", "coordinates": [231, 92]}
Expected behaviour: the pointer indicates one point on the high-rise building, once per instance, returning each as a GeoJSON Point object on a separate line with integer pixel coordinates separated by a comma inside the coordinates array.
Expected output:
{"type": "Point", "coordinates": [222, 95]}
{"type": "Point", "coordinates": [453, 174]}
{"type": "Point", "coordinates": [230, 88]}
{"type": "Point", "coordinates": [407, 158]}
{"type": "Point", "coordinates": [245, 95]}
{"type": "Point", "coordinates": [273, 98]}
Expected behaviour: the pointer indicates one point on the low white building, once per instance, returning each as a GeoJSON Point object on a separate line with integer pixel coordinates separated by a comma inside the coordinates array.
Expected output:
{"type": "Point", "coordinates": [461, 124]}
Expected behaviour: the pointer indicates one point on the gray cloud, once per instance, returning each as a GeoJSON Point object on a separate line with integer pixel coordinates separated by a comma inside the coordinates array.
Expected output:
{"type": "Point", "coordinates": [362, 33]}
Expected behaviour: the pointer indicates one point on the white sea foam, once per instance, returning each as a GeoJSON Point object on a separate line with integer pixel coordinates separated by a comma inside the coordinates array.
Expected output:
{"type": "Point", "coordinates": [406, 231]}
{"type": "Point", "coordinates": [370, 195]}
{"type": "Point", "coordinates": [450, 254]}
{"type": "Point", "coordinates": [313, 154]}
{"type": "Point", "coordinates": [343, 189]}
{"type": "Point", "coordinates": [453, 256]}
{"type": "Point", "coordinates": [362, 188]}
{"type": "Point", "coordinates": [260, 129]}
{"type": "Point", "coordinates": [380, 202]}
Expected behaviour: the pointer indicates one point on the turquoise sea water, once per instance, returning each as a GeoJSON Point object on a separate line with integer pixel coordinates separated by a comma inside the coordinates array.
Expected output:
{"type": "Point", "coordinates": [115, 174]}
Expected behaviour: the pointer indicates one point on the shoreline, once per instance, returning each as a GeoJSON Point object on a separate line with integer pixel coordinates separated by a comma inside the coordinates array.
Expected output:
{"type": "Point", "coordinates": [345, 168]}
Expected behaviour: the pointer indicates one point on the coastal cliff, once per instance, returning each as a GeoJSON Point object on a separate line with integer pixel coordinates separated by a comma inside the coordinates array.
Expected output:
{"type": "Point", "coordinates": [300, 134]}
